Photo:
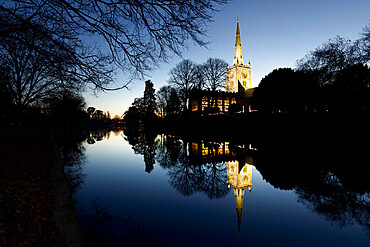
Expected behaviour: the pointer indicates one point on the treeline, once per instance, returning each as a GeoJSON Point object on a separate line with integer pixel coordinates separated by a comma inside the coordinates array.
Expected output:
{"type": "Point", "coordinates": [172, 100]}
{"type": "Point", "coordinates": [335, 77]}
{"type": "Point", "coordinates": [64, 109]}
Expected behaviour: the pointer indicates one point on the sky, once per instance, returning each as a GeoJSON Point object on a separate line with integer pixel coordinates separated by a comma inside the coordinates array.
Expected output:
{"type": "Point", "coordinates": [274, 34]}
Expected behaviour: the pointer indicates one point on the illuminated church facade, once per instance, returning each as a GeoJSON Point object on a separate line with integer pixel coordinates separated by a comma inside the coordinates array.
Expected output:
{"type": "Point", "coordinates": [238, 72]}
{"type": "Point", "coordinates": [238, 87]}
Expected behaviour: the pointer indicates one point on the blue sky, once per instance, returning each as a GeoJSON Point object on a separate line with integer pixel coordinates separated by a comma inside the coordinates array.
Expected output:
{"type": "Point", "coordinates": [274, 34]}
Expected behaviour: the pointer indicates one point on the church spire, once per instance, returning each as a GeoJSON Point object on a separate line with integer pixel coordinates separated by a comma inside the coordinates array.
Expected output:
{"type": "Point", "coordinates": [238, 56]}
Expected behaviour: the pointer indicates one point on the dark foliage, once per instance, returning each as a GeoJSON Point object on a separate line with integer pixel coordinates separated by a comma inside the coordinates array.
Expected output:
{"type": "Point", "coordinates": [285, 90]}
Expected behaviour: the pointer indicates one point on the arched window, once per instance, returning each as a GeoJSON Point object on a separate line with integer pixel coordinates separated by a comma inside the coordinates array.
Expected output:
{"type": "Point", "coordinates": [194, 105]}
{"type": "Point", "coordinates": [212, 102]}
{"type": "Point", "coordinates": [204, 102]}
{"type": "Point", "coordinates": [226, 104]}
{"type": "Point", "coordinates": [219, 103]}
{"type": "Point", "coordinates": [233, 101]}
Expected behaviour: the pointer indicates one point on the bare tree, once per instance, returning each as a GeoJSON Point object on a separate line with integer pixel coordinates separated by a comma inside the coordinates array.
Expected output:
{"type": "Point", "coordinates": [199, 78]}
{"type": "Point", "coordinates": [183, 78]}
{"type": "Point", "coordinates": [366, 42]}
{"type": "Point", "coordinates": [163, 99]}
{"type": "Point", "coordinates": [134, 36]}
{"type": "Point", "coordinates": [168, 102]}
{"type": "Point", "coordinates": [31, 76]}
{"type": "Point", "coordinates": [214, 71]}
{"type": "Point", "coordinates": [332, 57]}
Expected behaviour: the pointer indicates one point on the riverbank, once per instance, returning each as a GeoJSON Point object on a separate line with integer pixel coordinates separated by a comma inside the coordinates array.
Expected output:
{"type": "Point", "coordinates": [36, 204]}
{"type": "Point", "coordinates": [258, 127]}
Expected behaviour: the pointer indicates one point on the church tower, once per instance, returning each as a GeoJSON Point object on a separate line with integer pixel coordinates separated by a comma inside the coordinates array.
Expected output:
{"type": "Point", "coordinates": [238, 72]}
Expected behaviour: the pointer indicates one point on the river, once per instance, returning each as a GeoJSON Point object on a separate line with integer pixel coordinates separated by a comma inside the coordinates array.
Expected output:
{"type": "Point", "coordinates": [162, 190]}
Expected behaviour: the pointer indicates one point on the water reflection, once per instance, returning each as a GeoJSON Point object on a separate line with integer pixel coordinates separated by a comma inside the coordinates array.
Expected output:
{"type": "Point", "coordinates": [335, 187]}
{"type": "Point", "coordinates": [335, 202]}
{"type": "Point", "coordinates": [73, 155]}
{"type": "Point", "coordinates": [330, 175]}
{"type": "Point", "coordinates": [209, 166]}
{"type": "Point", "coordinates": [144, 144]}
{"type": "Point", "coordinates": [239, 176]}
{"type": "Point", "coordinates": [96, 135]}
{"type": "Point", "coordinates": [213, 165]}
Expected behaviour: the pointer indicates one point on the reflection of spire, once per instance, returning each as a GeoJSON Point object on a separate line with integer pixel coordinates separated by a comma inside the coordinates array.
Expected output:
{"type": "Point", "coordinates": [239, 198]}
{"type": "Point", "coordinates": [239, 179]}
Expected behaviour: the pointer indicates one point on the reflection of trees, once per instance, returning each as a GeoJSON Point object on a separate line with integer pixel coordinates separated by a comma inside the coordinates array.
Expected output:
{"type": "Point", "coordinates": [183, 177]}
{"type": "Point", "coordinates": [335, 202]}
{"type": "Point", "coordinates": [209, 179]}
{"type": "Point", "coordinates": [169, 150]}
{"type": "Point", "coordinates": [330, 179]}
{"type": "Point", "coordinates": [97, 135]}
{"type": "Point", "coordinates": [186, 175]}
{"type": "Point", "coordinates": [144, 144]}
{"type": "Point", "coordinates": [214, 182]}
{"type": "Point", "coordinates": [73, 154]}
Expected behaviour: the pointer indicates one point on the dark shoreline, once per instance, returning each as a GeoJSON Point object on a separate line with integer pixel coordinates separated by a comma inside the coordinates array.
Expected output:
{"type": "Point", "coordinates": [45, 156]}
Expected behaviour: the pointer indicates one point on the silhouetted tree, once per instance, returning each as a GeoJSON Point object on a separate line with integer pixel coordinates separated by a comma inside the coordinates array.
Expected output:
{"type": "Point", "coordinates": [340, 67]}
{"type": "Point", "coordinates": [366, 42]}
{"type": "Point", "coordinates": [67, 108]}
{"type": "Point", "coordinates": [199, 78]}
{"type": "Point", "coordinates": [142, 109]}
{"type": "Point", "coordinates": [168, 101]}
{"type": "Point", "coordinates": [183, 78]}
{"type": "Point", "coordinates": [98, 114]}
{"type": "Point", "coordinates": [90, 111]}
{"type": "Point", "coordinates": [330, 58]}
{"type": "Point", "coordinates": [162, 98]}
{"type": "Point", "coordinates": [286, 90]}
{"type": "Point", "coordinates": [149, 104]}
{"type": "Point", "coordinates": [132, 118]}
{"type": "Point", "coordinates": [214, 71]}
{"type": "Point", "coordinates": [174, 105]}
{"type": "Point", "coordinates": [135, 36]}
{"type": "Point", "coordinates": [352, 84]}
{"type": "Point", "coordinates": [30, 76]}
{"type": "Point", "coordinates": [6, 101]}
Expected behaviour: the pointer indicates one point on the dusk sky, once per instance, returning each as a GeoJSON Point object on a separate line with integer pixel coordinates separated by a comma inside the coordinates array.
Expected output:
{"type": "Point", "coordinates": [274, 34]}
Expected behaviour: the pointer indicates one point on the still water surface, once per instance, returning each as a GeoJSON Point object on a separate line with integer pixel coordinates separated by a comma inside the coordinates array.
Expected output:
{"type": "Point", "coordinates": [210, 192]}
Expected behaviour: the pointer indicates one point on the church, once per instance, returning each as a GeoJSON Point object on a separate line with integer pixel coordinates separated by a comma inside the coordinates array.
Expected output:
{"type": "Point", "coordinates": [238, 94]}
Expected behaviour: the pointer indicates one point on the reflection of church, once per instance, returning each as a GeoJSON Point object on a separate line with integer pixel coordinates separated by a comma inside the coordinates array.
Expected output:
{"type": "Point", "coordinates": [239, 177]}
{"type": "Point", "coordinates": [238, 86]}
{"type": "Point", "coordinates": [239, 165]}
